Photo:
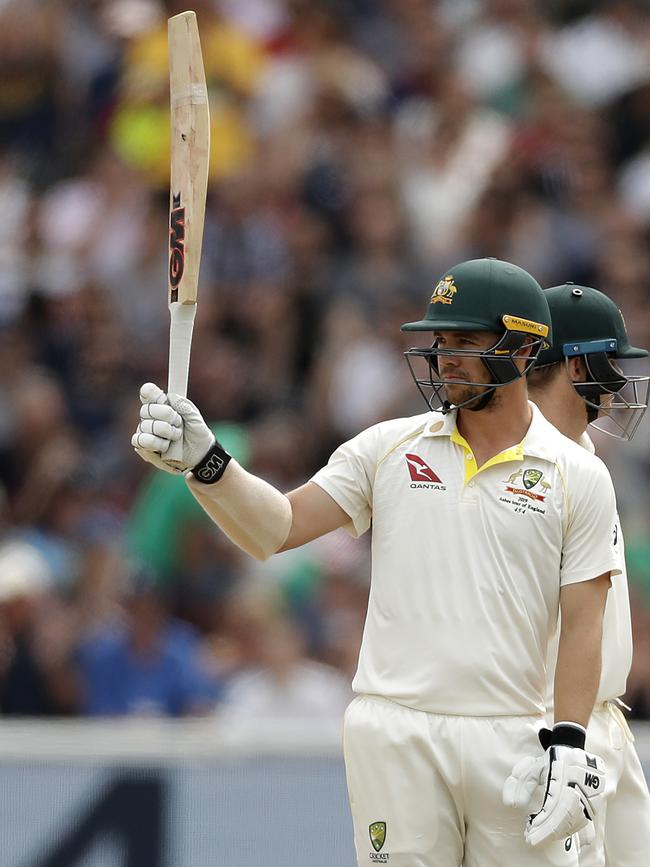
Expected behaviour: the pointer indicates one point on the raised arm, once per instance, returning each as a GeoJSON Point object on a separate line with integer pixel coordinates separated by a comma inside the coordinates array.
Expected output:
{"type": "Point", "coordinates": [252, 513]}
{"type": "Point", "coordinates": [314, 513]}
{"type": "Point", "coordinates": [260, 519]}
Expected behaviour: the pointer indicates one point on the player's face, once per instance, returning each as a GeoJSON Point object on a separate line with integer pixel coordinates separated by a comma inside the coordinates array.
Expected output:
{"type": "Point", "coordinates": [460, 370]}
{"type": "Point", "coordinates": [576, 371]}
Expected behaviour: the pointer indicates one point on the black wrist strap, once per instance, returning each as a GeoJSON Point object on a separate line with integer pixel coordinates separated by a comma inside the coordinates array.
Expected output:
{"type": "Point", "coordinates": [568, 736]}
{"type": "Point", "coordinates": [212, 466]}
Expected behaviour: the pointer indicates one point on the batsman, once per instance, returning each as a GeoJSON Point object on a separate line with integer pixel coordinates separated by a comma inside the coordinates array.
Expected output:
{"type": "Point", "coordinates": [577, 383]}
{"type": "Point", "coordinates": [488, 528]}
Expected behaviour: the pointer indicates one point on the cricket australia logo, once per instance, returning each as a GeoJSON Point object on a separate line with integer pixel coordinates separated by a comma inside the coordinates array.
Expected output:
{"type": "Point", "coordinates": [377, 831]}
{"type": "Point", "coordinates": [422, 476]}
{"type": "Point", "coordinates": [530, 478]}
{"type": "Point", "coordinates": [444, 291]}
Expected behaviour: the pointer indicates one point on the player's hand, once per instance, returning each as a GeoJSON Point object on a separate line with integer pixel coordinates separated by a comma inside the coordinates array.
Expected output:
{"type": "Point", "coordinates": [527, 780]}
{"type": "Point", "coordinates": [575, 779]}
{"type": "Point", "coordinates": [166, 418]}
{"type": "Point", "coordinates": [572, 780]}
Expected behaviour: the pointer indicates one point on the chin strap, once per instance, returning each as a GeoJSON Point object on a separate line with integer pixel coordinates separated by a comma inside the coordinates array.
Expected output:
{"type": "Point", "coordinates": [501, 367]}
{"type": "Point", "coordinates": [482, 402]}
{"type": "Point", "coordinates": [474, 405]}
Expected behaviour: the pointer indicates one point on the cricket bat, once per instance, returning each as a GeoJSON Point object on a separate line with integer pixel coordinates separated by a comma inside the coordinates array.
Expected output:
{"type": "Point", "coordinates": [190, 156]}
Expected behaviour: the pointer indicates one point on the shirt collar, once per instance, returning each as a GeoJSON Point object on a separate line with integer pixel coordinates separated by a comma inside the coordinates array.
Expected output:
{"type": "Point", "coordinates": [440, 424]}
{"type": "Point", "coordinates": [587, 443]}
{"type": "Point", "coordinates": [540, 440]}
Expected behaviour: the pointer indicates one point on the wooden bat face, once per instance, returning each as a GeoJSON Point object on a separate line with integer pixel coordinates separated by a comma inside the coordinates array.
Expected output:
{"type": "Point", "coordinates": [190, 156]}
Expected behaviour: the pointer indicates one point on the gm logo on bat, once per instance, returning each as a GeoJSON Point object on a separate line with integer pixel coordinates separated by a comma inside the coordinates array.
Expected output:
{"type": "Point", "coordinates": [176, 244]}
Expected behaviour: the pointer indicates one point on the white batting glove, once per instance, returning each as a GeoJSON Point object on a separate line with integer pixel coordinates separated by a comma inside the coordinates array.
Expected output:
{"type": "Point", "coordinates": [575, 779]}
{"type": "Point", "coordinates": [526, 778]}
{"type": "Point", "coordinates": [567, 779]}
{"type": "Point", "coordinates": [571, 780]}
{"type": "Point", "coordinates": [166, 418]}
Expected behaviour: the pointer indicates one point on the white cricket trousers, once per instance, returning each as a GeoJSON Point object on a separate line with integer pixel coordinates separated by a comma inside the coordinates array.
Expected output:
{"type": "Point", "coordinates": [622, 819]}
{"type": "Point", "coordinates": [425, 789]}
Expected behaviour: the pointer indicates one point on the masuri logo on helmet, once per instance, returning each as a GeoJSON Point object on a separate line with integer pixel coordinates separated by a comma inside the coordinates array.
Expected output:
{"type": "Point", "coordinates": [487, 295]}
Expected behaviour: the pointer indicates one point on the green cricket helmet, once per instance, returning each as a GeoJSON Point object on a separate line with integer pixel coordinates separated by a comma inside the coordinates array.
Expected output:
{"type": "Point", "coordinates": [482, 295]}
{"type": "Point", "coordinates": [587, 323]}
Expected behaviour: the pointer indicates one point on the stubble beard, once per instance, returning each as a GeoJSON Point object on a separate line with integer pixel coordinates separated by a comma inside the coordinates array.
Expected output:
{"type": "Point", "coordinates": [467, 395]}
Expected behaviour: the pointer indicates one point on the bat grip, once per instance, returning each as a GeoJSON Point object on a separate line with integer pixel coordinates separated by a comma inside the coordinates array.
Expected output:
{"type": "Point", "coordinates": [180, 344]}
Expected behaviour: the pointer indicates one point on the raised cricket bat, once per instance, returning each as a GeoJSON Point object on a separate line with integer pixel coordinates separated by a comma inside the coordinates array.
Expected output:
{"type": "Point", "coordinates": [190, 156]}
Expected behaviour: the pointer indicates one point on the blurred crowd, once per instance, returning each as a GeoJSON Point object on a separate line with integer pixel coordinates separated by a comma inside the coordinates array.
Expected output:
{"type": "Point", "coordinates": [359, 149]}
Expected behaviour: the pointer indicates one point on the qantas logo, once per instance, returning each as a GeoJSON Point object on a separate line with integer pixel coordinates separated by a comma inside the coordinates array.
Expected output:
{"type": "Point", "coordinates": [420, 471]}
{"type": "Point", "coordinates": [422, 476]}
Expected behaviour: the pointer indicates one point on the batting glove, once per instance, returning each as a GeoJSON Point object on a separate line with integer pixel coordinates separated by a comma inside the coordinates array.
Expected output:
{"type": "Point", "coordinates": [572, 779]}
{"type": "Point", "coordinates": [166, 418]}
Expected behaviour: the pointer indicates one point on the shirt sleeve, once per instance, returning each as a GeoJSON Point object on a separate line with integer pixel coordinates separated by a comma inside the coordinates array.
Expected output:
{"type": "Point", "coordinates": [349, 478]}
{"type": "Point", "coordinates": [591, 539]}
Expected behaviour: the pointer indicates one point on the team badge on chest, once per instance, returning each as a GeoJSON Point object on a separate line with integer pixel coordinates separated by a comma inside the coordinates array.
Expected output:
{"type": "Point", "coordinates": [525, 499]}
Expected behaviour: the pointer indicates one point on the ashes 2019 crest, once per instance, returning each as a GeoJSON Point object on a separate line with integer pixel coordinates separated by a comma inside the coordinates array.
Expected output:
{"type": "Point", "coordinates": [444, 291]}
{"type": "Point", "coordinates": [530, 478]}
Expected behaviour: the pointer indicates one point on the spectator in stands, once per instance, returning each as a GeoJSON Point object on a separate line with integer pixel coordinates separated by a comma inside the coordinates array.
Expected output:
{"type": "Point", "coordinates": [36, 637]}
{"type": "Point", "coordinates": [355, 146]}
{"type": "Point", "coordinates": [281, 687]}
{"type": "Point", "coordinates": [147, 666]}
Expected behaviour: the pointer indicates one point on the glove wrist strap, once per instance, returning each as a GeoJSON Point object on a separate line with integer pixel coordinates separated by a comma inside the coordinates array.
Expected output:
{"type": "Point", "coordinates": [567, 734]}
{"type": "Point", "coordinates": [212, 466]}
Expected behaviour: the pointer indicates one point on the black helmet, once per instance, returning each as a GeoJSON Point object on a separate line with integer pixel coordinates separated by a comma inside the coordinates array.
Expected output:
{"type": "Point", "coordinates": [589, 324]}
{"type": "Point", "coordinates": [482, 295]}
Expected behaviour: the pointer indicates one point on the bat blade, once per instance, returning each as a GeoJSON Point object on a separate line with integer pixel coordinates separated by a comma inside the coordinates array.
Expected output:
{"type": "Point", "coordinates": [190, 157]}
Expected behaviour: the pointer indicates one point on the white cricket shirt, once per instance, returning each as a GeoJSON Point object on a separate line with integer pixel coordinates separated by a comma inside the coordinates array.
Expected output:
{"type": "Point", "coordinates": [616, 652]}
{"type": "Point", "coordinates": [467, 562]}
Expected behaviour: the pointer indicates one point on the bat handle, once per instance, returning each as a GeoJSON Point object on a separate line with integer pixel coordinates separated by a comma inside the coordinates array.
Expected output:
{"type": "Point", "coordinates": [180, 344]}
